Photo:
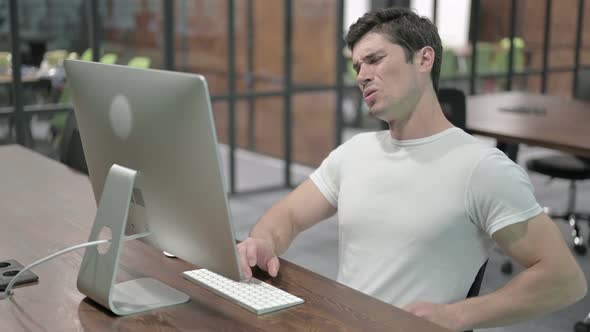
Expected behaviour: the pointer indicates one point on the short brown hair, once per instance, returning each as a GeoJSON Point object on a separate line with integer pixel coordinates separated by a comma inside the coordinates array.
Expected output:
{"type": "Point", "coordinates": [404, 27]}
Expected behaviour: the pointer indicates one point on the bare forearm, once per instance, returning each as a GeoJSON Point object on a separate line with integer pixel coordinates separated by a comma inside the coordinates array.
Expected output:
{"type": "Point", "coordinates": [276, 226]}
{"type": "Point", "coordinates": [535, 291]}
{"type": "Point", "coordinates": [301, 209]}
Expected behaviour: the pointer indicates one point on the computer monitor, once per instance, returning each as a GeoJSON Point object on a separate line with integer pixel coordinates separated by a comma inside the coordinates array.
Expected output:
{"type": "Point", "coordinates": [159, 123]}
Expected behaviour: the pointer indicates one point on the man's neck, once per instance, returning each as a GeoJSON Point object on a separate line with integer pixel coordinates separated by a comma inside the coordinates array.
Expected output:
{"type": "Point", "coordinates": [425, 120]}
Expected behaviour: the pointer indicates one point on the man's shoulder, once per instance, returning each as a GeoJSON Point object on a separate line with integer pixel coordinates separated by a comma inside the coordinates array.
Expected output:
{"type": "Point", "coordinates": [363, 139]}
{"type": "Point", "coordinates": [467, 146]}
{"type": "Point", "coordinates": [367, 136]}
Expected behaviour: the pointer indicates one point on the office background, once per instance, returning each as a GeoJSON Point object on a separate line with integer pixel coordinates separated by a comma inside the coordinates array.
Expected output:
{"type": "Point", "coordinates": [279, 77]}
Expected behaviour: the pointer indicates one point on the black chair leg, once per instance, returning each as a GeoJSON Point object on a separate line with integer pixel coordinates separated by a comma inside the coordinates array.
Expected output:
{"type": "Point", "coordinates": [579, 246]}
{"type": "Point", "coordinates": [583, 326]}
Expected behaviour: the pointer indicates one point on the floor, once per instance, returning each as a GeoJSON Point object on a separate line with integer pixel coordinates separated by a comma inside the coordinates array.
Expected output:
{"type": "Point", "coordinates": [316, 248]}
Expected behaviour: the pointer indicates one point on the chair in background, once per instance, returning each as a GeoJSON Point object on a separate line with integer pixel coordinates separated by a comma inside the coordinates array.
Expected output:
{"type": "Point", "coordinates": [453, 104]}
{"type": "Point", "coordinates": [139, 62]}
{"type": "Point", "coordinates": [583, 325]}
{"type": "Point", "coordinates": [476, 286]}
{"type": "Point", "coordinates": [571, 168]}
{"type": "Point", "coordinates": [583, 92]}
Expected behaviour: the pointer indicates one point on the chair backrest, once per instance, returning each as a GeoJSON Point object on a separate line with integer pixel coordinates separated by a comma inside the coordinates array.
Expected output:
{"type": "Point", "coordinates": [453, 104]}
{"type": "Point", "coordinates": [139, 62]}
{"type": "Point", "coordinates": [476, 286]}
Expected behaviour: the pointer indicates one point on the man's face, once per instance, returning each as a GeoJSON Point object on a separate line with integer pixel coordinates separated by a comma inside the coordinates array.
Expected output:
{"type": "Point", "coordinates": [389, 84]}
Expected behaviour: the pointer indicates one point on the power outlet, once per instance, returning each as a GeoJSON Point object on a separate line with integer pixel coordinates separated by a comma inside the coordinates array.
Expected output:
{"type": "Point", "coordinates": [9, 268]}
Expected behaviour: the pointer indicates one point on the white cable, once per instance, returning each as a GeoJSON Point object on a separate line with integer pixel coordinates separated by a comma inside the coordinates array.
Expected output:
{"type": "Point", "coordinates": [8, 291]}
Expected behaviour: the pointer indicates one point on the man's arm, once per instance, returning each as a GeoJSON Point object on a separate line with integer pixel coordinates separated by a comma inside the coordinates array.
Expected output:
{"type": "Point", "coordinates": [273, 233]}
{"type": "Point", "coordinates": [552, 280]}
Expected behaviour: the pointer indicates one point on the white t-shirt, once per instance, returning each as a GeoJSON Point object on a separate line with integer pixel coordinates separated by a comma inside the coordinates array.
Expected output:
{"type": "Point", "coordinates": [416, 216]}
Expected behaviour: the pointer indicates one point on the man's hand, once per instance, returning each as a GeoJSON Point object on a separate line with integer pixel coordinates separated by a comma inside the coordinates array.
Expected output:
{"type": "Point", "coordinates": [440, 314]}
{"type": "Point", "coordinates": [254, 251]}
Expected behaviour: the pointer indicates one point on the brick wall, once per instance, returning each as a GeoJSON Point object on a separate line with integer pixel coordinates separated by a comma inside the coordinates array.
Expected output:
{"type": "Point", "coordinates": [201, 47]}
{"type": "Point", "coordinates": [495, 24]}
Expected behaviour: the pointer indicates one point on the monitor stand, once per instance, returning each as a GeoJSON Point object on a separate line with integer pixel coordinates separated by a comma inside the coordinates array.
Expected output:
{"type": "Point", "coordinates": [96, 278]}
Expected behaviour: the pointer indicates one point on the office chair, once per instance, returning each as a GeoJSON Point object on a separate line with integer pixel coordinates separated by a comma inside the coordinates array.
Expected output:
{"type": "Point", "coordinates": [571, 168]}
{"type": "Point", "coordinates": [583, 325]}
{"type": "Point", "coordinates": [453, 104]}
{"type": "Point", "coordinates": [476, 286]}
{"type": "Point", "coordinates": [581, 91]}
{"type": "Point", "coordinates": [567, 167]}
{"type": "Point", "coordinates": [454, 107]}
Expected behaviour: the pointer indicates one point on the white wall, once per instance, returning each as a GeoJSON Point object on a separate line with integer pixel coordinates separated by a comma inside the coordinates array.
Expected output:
{"type": "Point", "coordinates": [353, 10]}
{"type": "Point", "coordinates": [453, 19]}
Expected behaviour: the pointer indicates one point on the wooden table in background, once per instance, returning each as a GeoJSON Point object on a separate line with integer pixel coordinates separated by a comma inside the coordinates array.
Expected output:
{"type": "Point", "coordinates": [45, 207]}
{"type": "Point", "coordinates": [541, 120]}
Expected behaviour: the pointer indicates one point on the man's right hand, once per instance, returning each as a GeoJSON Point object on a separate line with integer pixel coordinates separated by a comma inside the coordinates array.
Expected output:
{"type": "Point", "coordinates": [254, 251]}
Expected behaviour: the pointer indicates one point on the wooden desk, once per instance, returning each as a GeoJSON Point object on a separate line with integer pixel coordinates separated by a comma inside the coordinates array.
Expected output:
{"type": "Point", "coordinates": [45, 207]}
{"type": "Point", "coordinates": [518, 117]}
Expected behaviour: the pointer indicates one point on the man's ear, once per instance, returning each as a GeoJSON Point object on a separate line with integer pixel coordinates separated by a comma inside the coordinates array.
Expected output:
{"type": "Point", "coordinates": [425, 59]}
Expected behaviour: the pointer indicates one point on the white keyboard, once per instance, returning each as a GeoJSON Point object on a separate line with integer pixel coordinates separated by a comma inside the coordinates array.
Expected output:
{"type": "Point", "coordinates": [254, 295]}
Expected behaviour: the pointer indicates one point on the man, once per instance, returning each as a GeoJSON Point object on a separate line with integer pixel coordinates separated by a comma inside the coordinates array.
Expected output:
{"type": "Point", "coordinates": [419, 206]}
